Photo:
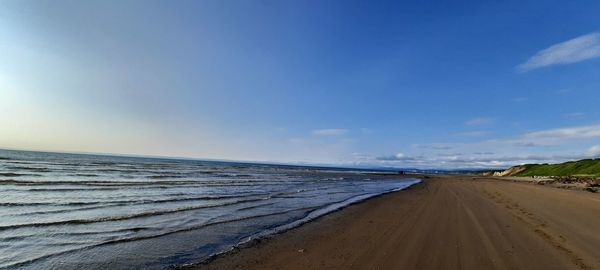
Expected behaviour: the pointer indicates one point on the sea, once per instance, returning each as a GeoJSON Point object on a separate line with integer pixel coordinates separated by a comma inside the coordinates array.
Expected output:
{"type": "Point", "coordinates": [79, 211]}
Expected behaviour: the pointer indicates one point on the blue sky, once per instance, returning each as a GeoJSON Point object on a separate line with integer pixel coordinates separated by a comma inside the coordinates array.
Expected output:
{"type": "Point", "coordinates": [428, 84]}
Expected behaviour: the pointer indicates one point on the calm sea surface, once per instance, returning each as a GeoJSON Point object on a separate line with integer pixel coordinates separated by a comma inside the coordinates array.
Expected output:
{"type": "Point", "coordinates": [66, 211]}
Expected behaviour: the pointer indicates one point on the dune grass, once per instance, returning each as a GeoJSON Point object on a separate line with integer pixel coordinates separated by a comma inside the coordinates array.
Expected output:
{"type": "Point", "coordinates": [587, 167]}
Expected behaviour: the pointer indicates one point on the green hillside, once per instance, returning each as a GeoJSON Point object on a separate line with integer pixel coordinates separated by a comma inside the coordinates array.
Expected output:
{"type": "Point", "coordinates": [590, 167]}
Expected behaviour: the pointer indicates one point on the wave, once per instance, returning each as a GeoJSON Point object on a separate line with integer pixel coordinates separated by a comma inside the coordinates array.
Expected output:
{"type": "Point", "coordinates": [192, 175]}
{"type": "Point", "coordinates": [102, 163]}
{"type": "Point", "coordinates": [45, 203]}
{"type": "Point", "coordinates": [33, 169]}
{"type": "Point", "coordinates": [165, 176]}
{"type": "Point", "coordinates": [124, 240]}
{"type": "Point", "coordinates": [27, 236]}
{"type": "Point", "coordinates": [254, 207]}
{"type": "Point", "coordinates": [136, 202]}
{"type": "Point", "coordinates": [68, 189]}
{"type": "Point", "coordinates": [123, 217]}
{"type": "Point", "coordinates": [103, 187]}
{"type": "Point", "coordinates": [86, 183]}
{"type": "Point", "coordinates": [68, 210]}
{"type": "Point", "coordinates": [17, 174]}
{"type": "Point", "coordinates": [128, 183]}
{"type": "Point", "coordinates": [310, 214]}
{"type": "Point", "coordinates": [85, 174]}
{"type": "Point", "coordinates": [241, 175]}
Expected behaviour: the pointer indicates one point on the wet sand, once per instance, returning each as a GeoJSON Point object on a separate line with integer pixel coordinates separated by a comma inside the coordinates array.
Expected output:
{"type": "Point", "coordinates": [448, 222]}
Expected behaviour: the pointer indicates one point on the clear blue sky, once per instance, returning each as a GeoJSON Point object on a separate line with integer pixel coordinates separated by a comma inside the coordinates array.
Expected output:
{"type": "Point", "coordinates": [411, 84]}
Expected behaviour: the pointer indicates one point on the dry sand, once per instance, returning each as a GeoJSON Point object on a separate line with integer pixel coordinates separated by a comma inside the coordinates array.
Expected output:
{"type": "Point", "coordinates": [448, 222]}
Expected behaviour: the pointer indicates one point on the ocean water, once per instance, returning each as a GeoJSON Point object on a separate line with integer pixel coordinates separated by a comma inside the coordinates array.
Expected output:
{"type": "Point", "coordinates": [67, 211]}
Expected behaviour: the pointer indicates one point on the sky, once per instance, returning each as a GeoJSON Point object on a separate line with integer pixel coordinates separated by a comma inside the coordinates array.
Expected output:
{"type": "Point", "coordinates": [412, 84]}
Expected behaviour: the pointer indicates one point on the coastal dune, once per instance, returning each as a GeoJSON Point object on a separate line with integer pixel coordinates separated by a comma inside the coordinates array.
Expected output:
{"type": "Point", "coordinates": [447, 222]}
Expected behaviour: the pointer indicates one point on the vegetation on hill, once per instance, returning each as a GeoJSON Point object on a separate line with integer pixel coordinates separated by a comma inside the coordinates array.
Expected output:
{"type": "Point", "coordinates": [585, 167]}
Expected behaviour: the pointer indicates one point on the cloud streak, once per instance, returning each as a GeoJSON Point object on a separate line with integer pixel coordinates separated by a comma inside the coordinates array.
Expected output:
{"type": "Point", "coordinates": [432, 146]}
{"type": "Point", "coordinates": [571, 51]}
{"type": "Point", "coordinates": [477, 161]}
{"type": "Point", "coordinates": [549, 137]}
{"type": "Point", "coordinates": [542, 146]}
{"type": "Point", "coordinates": [475, 133]}
{"type": "Point", "coordinates": [560, 135]}
{"type": "Point", "coordinates": [330, 131]}
{"type": "Point", "coordinates": [479, 121]}
{"type": "Point", "coordinates": [399, 157]}
{"type": "Point", "coordinates": [594, 152]}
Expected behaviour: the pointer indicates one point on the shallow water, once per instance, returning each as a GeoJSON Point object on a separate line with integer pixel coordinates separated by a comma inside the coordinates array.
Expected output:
{"type": "Point", "coordinates": [66, 211]}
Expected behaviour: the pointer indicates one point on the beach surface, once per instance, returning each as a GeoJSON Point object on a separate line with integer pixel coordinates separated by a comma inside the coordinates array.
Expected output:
{"type": "Point", "coordinates": [447, 222]}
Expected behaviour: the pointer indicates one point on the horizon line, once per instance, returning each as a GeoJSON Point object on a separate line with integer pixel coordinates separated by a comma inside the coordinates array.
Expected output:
{"type": "Point", "coordinates": [255, 162]}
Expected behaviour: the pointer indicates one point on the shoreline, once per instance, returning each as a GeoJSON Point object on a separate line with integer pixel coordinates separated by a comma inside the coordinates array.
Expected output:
{"type": "Point", "coordinates": [449, 222]}
{"type": "Point", "coordinates": [311, 217]}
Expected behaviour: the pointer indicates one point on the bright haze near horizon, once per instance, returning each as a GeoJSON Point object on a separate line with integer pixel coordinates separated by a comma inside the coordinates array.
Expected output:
{"type": "Point", "coordinates": [420, 84]}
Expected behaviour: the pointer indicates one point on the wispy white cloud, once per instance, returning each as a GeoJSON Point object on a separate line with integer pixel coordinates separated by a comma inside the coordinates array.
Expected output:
{"type": "Point", "coordinates": [432, 146]}
{"type": "Point", "coordinates": [571, 51]}
{"type": "Point", "coordinates": [367, 130]}
{"type": "Point", "coordinates": [315, 150]}
{"type": "Point", "coordinates": [399, 157]}
{"type": "Point", "coordinates": [573, 115]}
{"type": "Point", "coordinates": [296, 140]}
{"type": "Point", "coordinates": [479, 121]}
{"type": "Point", "coordinates": [524, 144]}
{"type": "Point", "coordinates": [330, 131]}
{"type": "Point", "coordinates": [594, 151]}
{"type": "Point", "coordinates": [567, 133]}
{"type": "Point", "coordinates": [475, 133]}
{"type": "Point", "coordinates": [507, 160]}
{"type": "Point", "coordinates": [542, 146]}
{"type": "Point", "coordinates": [557, 136]}
{"type": "Point", "coordinates": [472, 161]}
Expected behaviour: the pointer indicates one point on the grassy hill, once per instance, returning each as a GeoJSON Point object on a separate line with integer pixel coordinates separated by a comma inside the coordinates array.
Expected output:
{"type": "Point", "coordinates": [585, 167]}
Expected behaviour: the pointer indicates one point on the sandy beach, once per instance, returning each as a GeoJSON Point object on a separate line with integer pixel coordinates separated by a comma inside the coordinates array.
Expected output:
{"type": "Point", "coordinates": [447, 222]}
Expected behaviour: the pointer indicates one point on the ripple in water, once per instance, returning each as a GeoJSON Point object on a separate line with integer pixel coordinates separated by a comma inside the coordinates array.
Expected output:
{"type": "Point", "coordinates": [96, 212]}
